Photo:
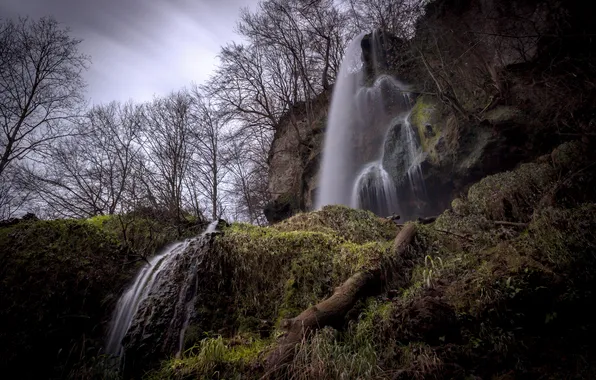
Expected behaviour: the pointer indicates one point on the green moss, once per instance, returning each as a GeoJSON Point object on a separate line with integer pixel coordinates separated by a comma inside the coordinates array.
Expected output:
{"type": "Point", "coordinates": [100, 221]}
{"type": "Point", "coordinates": [281, 270]}
{"type": "Point", "coordinates": [511, 195]}
{"type": "Point", "coordinates": [142, 235]}
{"type": "Point", "coordinates": [59, 280]}
{"type": "Point", "coordinates": [425, 113]}
{"type": "Point", "coordinates": [358, 226]}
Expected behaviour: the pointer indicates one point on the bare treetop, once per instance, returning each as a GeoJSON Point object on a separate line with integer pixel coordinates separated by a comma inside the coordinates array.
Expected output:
{"type": "Point", "coordinates": [40, 86]}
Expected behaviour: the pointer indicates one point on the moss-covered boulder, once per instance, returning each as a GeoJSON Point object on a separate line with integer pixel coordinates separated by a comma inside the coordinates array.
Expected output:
{"type": "Point", "coordinates": [58, 281]}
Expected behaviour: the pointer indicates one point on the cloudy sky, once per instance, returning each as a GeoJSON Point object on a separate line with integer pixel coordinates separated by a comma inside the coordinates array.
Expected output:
{"type": "Point", "coordinates": [141, 47]}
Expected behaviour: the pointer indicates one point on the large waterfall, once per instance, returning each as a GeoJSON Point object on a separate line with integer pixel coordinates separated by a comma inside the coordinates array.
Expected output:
{"type": "Point", "coordinates": [168, 278]}
{"type": "Point", "coordinates": [368, 107]}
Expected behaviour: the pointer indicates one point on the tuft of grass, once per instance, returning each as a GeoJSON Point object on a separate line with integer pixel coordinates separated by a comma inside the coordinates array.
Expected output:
{"type": "Point", "coordinates": [216, 358]}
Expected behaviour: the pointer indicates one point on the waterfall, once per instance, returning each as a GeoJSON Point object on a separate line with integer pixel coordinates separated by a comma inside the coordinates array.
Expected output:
{"type": "Point", "coordinates": [150, 284]}
{"type": "Point", "coordinates": [414, 157]}
{"type": "Point", "coordinates": [365, 104]}
{"type": "Point", "coordinates": [338, 163]}
{"type": "Point", "coordinates": [374, 190]}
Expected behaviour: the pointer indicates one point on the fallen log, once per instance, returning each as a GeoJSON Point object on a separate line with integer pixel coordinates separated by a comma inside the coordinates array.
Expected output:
{"type": "Point", "coordinates": [333, 309]}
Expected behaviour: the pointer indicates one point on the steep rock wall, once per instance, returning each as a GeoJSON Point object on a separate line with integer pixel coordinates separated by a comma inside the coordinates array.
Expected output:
{"type": "Point", "coordinates": [294, 159]}
{"type": "Point", "coordinates": [496, 83]}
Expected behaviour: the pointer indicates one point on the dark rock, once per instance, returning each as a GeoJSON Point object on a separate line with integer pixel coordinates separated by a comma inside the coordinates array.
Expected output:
{"type": "Point", "coordinates": [281, 208]}
{"type": "Point", "coordinates": [155, 332]}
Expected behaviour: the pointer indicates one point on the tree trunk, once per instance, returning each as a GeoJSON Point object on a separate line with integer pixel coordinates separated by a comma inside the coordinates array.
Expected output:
{"type": "Point", "coordinates": [333, 309]}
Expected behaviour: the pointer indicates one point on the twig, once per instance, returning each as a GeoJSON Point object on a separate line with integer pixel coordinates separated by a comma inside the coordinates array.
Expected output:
{"type": "Point", "coordinates": [427, 220]}
{"type": "Point", "coordinates": [454, 234]}
{"type": "Point", "coordinates": [512, 224]}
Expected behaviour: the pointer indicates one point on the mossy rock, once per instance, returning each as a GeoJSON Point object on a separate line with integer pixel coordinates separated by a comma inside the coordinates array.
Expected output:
{"type": "Point", "coordinates": [357, 226]}
{"type": "Point", "coordinates": [511, 195]}
{"type": "Point", "coordinates": [426, 118]}
{"type": "Point", "coordinates": [60, 280]}
{"type": "Point", "coordinates": [279, 271]}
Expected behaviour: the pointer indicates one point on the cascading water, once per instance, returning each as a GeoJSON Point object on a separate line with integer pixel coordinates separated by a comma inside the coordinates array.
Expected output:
{"type": "Point", "coordinates": [153, 282]}
{"type": "Point", "coordinates": [366, 106]}
{"type": "Point", "coordinates": [374, 190]}
{"type": "Point", "coordinates": [414, 157]}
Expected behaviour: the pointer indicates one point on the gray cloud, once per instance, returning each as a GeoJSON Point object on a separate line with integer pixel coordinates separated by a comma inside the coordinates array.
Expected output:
{"type": "Point", "coordinates": [141, 48]}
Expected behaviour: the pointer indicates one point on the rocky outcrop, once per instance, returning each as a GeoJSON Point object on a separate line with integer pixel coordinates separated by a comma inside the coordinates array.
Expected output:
{"type": "Point", "coordinates": [495, 83]}
{"type": "Point", "coordinates": [294, 159]}
{"type": "Point", "coordinates": [458, 153]}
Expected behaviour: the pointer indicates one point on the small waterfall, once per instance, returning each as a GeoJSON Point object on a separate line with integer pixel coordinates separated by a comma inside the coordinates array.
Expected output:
{"type": "Point", "coordinates": [414, 157]}
{"type": "Point", "coordinates": [374, 190]}
{"type": "Point", "coordinates": [149, 284]}
{"type": "Point", "coordinates": [365, 105]}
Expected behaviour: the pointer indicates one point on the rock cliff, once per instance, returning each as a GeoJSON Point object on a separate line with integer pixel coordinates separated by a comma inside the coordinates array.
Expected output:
{"type": "Point", "coordinates": [495, 83]}
{"type": "Point", "coordinates": [294, 159]}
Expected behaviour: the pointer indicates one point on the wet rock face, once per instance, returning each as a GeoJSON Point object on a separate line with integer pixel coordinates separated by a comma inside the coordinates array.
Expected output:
{"type": "Point", "coordinates": [459, 153]}
{"type": "Point", "coordinates": [381, 53]}
{"type": "Point", "coordinates": [158, 327]}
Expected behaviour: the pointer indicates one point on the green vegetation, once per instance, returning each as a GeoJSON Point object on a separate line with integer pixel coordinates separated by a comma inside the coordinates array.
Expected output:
{"type": "Point", "coordinates": [423, 114]}
{"type": "Point", "coordinates": [214, 358]}
{"type": "Point", "coordinates": [59, 282]}
{"type": "Point", "coordinates": [499, 284]}
{"type": "Point", "coordinates": [278, 271]}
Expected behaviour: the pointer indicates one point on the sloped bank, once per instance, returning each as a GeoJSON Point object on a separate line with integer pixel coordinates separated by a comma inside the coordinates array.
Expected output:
{"type": "Point", "coordinates": [498, 287]}
{"type": "Point", "coordinates": [59, 282]}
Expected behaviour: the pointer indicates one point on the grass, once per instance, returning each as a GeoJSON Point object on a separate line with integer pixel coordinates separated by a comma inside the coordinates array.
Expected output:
{"type": "Point", "coordinates": [215, 358]}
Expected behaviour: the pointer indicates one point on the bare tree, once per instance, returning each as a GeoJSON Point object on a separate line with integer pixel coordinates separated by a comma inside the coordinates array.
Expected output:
{"type": "Point", "coordinates": [166, 142]}
{"type": "Point", "coordinates": [207, 169]}
{"type": "Point", "coordinates": [246, 182]}
{"type": "Point", "coordinates": [13, 196]}
{"type": "Point", "coordinates": [40, 86]}
{"type": "Point", "coordinates": [397, 17]}
{"type": "Point", "coordinates": [243, 87]}
{"type": "Point", "coordinates": [324, 24]}
{"type": "Point", "coordinates": [90, 173]}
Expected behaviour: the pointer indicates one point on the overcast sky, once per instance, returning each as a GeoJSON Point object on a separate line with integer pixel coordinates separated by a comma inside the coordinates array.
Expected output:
{"type": "Point", "coordinates": [141, 47]}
